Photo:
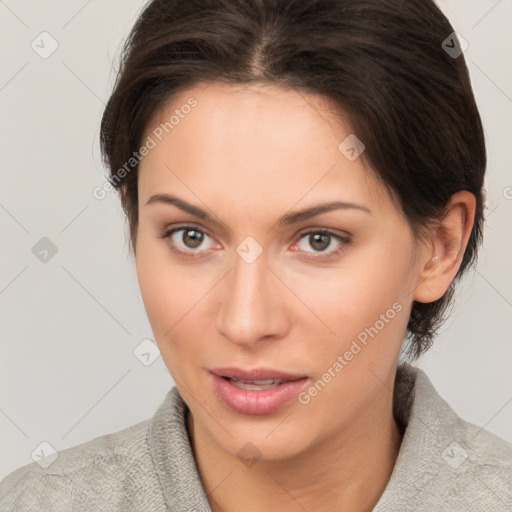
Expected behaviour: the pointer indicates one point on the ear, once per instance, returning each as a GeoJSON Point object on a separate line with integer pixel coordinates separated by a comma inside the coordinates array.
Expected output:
{"type": "Point", "coordinates": [442, 257]}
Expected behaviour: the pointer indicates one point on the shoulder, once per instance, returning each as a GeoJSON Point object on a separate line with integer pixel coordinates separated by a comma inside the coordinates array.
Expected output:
{"type": "Point", "coordinates": [468, 441]}
{"type": "Point", "coordinates": [101, 474]}
{"type": "Point", "coordinates": [478, 462]}
{"type": "Point", "coordinates": [446, 462]}
{"type": "Point", "coordinates": [473, 468]}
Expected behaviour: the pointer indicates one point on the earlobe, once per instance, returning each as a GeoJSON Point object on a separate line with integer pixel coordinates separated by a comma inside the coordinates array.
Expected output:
{"type": "Point", "coordinates": [441, 262]}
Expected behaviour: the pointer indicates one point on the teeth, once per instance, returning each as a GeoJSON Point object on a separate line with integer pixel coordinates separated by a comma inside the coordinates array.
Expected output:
{"type": "Point", "coordinates": [256, 385]}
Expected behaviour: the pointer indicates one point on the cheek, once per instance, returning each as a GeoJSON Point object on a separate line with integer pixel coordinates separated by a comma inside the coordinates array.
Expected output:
{"type": "Point", "coordinates": [174, 297]}
{"type": "Point", "coordinates": [361, 301]}
{"type": "Point", "coordinates": [363, 308]}
{"type": "Point", "coordinates": [166, 311]}
{"type": "Point", "coordinates": [163, 289]}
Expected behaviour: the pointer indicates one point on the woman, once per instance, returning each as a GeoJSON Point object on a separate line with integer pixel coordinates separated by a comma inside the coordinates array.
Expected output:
{"type": "Point", "coordinates": [326, 161]}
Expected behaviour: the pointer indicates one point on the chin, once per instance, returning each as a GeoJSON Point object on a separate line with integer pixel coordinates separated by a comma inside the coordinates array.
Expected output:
{"type": "Point", "coordinates": [268, 441]}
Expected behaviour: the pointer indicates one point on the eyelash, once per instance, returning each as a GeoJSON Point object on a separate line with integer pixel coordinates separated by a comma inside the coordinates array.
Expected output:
{"type": "Point", "coordinates": [345, 241]}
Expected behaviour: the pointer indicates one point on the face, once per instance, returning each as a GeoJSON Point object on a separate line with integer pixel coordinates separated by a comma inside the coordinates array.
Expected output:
{"type": "Point", "coordinates": [325, 297]}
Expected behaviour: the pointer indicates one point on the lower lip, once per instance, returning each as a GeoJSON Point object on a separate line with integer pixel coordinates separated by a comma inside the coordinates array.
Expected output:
{"type": "Point", "coordinates": [266, 401]}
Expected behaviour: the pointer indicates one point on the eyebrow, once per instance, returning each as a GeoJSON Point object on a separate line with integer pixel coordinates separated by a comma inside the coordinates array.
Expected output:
{"type": "Point", "coordinates": [285, 220]}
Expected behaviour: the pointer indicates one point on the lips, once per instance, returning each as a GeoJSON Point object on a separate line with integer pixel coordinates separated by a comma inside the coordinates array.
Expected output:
{"type": "Point", "coordinates": [255, 392]}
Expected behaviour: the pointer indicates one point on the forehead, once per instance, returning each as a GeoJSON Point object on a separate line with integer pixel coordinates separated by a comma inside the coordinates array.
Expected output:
{"type": "Point", "coordinates": [252, 139]}
{"type": "Point", "coordinates": [251, 97]}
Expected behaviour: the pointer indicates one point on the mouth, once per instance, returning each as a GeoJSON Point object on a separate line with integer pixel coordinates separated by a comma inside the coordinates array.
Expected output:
{"type": "Point", "coordinates": [258, 375]}
{"type": "Point", "coordinates": [260, 391]}
{"type": "Point", "coordinates": [255, 385]}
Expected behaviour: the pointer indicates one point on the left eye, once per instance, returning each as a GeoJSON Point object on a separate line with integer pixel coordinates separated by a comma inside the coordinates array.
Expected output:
{"type": "Point", "coordinates": [322, 239]}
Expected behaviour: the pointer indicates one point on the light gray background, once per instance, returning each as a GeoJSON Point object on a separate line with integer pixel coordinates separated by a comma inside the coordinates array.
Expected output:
{"type": "Point", "coordinates": [68, 373]}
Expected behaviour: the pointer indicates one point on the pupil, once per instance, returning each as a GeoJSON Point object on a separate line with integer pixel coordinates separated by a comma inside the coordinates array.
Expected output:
{"type": "Point", "coordinates": [197, 238]}
{"type": "Point", "coordinates": [317, 241]}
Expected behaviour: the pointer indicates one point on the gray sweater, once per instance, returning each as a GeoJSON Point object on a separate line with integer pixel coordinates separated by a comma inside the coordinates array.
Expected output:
{"type": "Point", "coordinates": [444, 464]}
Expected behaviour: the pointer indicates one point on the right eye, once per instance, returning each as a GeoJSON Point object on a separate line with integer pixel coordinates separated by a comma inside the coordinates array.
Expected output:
{"type": "Point", "coordinates": [183, 245]}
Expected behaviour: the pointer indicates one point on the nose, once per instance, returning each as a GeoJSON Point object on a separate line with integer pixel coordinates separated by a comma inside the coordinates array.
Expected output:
{"type": "Point", "coordinates": [252, 303]}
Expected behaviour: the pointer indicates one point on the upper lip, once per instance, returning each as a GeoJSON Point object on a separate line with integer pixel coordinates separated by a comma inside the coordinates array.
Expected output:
{"type": "Point", "coordinates": [255, 374]}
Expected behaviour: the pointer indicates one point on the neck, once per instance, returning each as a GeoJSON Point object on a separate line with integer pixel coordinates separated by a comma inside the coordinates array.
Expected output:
{"type": "Point", "coordinates": [348, 470]}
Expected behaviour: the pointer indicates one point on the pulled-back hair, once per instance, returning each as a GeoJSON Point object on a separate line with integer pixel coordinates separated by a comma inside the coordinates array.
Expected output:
{"type": "Point", "coordinates": [393, 68]}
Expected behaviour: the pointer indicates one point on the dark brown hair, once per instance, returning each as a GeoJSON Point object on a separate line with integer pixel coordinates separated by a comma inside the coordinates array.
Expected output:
{"type": "Point", "coordinates": [383, 64]}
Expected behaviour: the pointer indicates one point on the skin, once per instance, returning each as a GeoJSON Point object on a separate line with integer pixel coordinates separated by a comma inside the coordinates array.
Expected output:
{"type": "Point", "coordinates": [249, 155]}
